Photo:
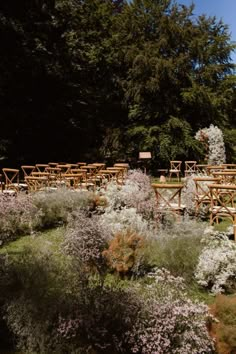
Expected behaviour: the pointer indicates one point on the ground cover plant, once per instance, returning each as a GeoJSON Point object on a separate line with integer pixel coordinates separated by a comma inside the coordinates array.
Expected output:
{"type": "Point", "coordinates": [224, 330]}
{"type": "Point", "coordinates": [112, 278]}
{"type": "Point", "coordinates": [25, 214]}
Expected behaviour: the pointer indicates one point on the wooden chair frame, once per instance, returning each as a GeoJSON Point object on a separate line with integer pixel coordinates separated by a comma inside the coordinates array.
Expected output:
{"type": "Point", "coordinates": [202, 193]}
{"type": "Point", "coordinates": [11, 179]}
{"type": "Point", "coordinates": [190, 168]}
{"type": "Point", "coordinates": [28, 169]}
{"type": "Point", "coordinates": [168, 197]}
{"type": "Point", "coordinates": [40, 167]}
{"type": "Point", "coordinates": [210, 169]}
{"type": "Point", "coordinates": [36, 183]}
{"type": "Point", "coordinates": [175, 169]}
{"type": "Point", "coordinates": [225, 197]}
{"type": "Point", "coordinates": [226, 176]}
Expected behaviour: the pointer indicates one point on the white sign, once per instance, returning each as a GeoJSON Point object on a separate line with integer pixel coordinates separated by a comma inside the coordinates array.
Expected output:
{"type": "Point", "coordinates": [145, 155]}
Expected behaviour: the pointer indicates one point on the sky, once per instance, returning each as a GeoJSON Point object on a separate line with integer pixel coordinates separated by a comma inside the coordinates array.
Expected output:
{"type": "Point", "coordinates": [222, 9]}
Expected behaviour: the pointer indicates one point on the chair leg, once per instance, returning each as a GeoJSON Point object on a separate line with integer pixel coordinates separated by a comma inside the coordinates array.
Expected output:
{"type": "Point", "coordinates": [234, 227]}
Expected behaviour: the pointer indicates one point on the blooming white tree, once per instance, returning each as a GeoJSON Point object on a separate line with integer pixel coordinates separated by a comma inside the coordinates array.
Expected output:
{"type": "Point", "coordinates": [213, 139]}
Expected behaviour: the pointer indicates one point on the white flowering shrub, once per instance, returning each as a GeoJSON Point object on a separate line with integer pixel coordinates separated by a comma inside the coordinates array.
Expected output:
{"type": "Point", "coordinates": [216, 268]}
{"type": "Point", "coordinates": [213, 139]}
{"type": "Point", "coordinates": [137, 193]}
{"type": "Point", "coordinates": [188, 194]}
{"type": "Point", "coordinates": [124, 219]}
{"type": "Point", "coordinates": [169, 322]}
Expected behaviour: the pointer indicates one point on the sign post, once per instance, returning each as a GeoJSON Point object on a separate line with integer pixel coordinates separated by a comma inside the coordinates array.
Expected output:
{"type": "Point", "coordinates": [145, 156]}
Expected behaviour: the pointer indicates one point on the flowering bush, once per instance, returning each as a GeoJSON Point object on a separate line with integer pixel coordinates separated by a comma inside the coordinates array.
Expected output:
{"type": "Point", "coordinates": [55, 206]}
{"type": "Point", "coordinates": [135, 193]}
{"type": "Point", "coordinates": [169, 322]}
{"type": "Point", "coordinates": [213, 139]}
{"type": "Point", "coordinates": [188, 194]}
{"type": "Point", "coordinates": [123, 219]}
{"type": "Point", "coordinates": [155, 317]}
{"type": "Point", "coordinates": [216, 268]}
{"type": "Point", "coordinates": [18, 215]}
{"type": "Point", "coordinates": [85, 240]}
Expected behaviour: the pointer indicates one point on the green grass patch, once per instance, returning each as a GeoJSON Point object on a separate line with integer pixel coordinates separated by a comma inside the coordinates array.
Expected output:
{"type": "Point", "coordinates": [49, 239]}
{"type": "Point", "coordinates": [223, 225]}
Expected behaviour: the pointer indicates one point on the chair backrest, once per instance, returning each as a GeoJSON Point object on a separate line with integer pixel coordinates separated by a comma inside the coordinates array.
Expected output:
{"type": "Point", "coordinates": [168, 196]}
{"type": "Point", "coordinates": [202, 193]}
{"type": "Point", "coordinates": [190, 166]}
{"type": "Point", "coordinates": [214, 168]}
{"type": "Point", "coordinates": [65, 168]}
{"type": "Point", "coordinates": [175, 165]}
{"type": "Point", "coordinates": [53, 164]}
{"type": "Point", "coordinates": [40, 167]}
{"type": "Point", "coordinates": [225, 196]}
{"type": "Point", "coordinates": [226, 176]}
{"type": "Point", "coordinates": [11, 178]}
{"type": "Point", "coordinates": [27, 170]}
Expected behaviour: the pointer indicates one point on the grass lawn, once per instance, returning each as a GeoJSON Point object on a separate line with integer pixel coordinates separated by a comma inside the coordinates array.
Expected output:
{"type": "Point", "coordinates": [50, 239]}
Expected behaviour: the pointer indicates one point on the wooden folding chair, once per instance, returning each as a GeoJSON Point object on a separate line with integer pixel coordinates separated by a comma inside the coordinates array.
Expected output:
{"type": "Point", "coordinates": [52, 164]}
{"type": "Point", "coordinates": [36, 183]}
{"type": "Point", "coordinates": [11, 179]}
{"type": "Point", "coordinates": [99, 166]}
{"type": "Point", "coordinates": [201, 169]}
{"type": "Point", "coordinates": [223, 203]}
{"type": "Point", "coordinates": [168, 198]}
{"type": "Point", "coordinates": [202, 193]}
{"type": "Point", "coordinates": [40, 167]}
{"type": "Point", "coordinates": [210, 169]}
{"type": "Point", "coordinates": [27, 170]}
{"type": "Point", "coordinates": [65, 168]}
{"type": "Point", "coordinates": [229, 165]}
{"type": "Point", "coordinates": [73, 180]}
{"type": "Point", "coordinates": [117, 174]}
{"type": "Point", "coordinates": [104, 176]}
{"type": "Point", "coordinates": [1, 183]}
{"type": "Point", "coordinates": [175, 169]}
{"type": "Point", "coordinates": [226, 177]}
{"type": "Point", "coordinates": [190, 168]}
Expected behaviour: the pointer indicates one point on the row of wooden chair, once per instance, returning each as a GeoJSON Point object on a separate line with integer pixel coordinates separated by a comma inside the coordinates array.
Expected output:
{"type": "Point", "coordinates": [219, 198]}
{"type": "Point", "coordinates": [191, 167]}
{"type": "Point", "coordinates": [52, 175]}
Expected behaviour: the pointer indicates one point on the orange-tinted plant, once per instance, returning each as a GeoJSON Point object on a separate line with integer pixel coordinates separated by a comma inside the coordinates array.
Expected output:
{"type": "Point", "coordinates": [224, 331]}
{"type": "Point", "coordinates": [123, 251]}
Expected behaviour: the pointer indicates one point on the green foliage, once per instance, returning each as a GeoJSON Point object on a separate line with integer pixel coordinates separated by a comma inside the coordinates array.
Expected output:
{"type": "Point", "coordinates": [230, 138]}
{"type": "Point", "coordinates": [108, 71]}
{"type": "Point", "coordinates": [55, 207]}
{"type": "Point", "coordinates": [176, 248]}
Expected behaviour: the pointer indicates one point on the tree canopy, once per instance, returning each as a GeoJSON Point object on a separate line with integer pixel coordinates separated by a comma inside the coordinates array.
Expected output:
{"type": "Point", "coordinates": [95, 79]}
